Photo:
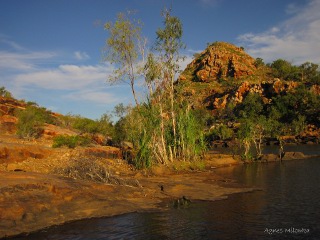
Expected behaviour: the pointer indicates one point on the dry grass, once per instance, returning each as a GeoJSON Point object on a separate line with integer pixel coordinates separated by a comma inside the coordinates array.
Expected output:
{"type": "Point", "coordinates": [93, 170]}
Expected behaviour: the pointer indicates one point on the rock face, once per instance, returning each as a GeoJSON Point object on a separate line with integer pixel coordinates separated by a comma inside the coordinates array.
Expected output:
{"type": "Point", "coordinates": [220, 61]}
{"type": "Point", "coordinates": [225, 73]}
{"type": "Point", "coordinates": [8, 105]}
{"type": "Point", "coordinates": [237, 94]}
{"type": "Point", "coordinates": [50, 131]}
{"type": "Point", "coordinates": [221, 72]}
{"type": "Point", "coordinates": [31, 201]}
{"type": "Point", "coordinates": [18, 153]}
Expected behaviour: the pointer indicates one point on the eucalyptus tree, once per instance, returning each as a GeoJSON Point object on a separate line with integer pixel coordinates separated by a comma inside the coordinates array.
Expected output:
{"type": "Point", "coordinates": [125, 48]}
{"type": "Point", "coordinates": [168, 45]}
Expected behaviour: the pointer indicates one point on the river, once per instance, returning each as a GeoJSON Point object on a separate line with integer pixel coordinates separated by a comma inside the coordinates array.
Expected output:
{"type": "Point", "coordinates": [286, 207]}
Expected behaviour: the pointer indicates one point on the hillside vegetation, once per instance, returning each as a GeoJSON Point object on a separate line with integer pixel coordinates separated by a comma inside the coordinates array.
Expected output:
{"type": "Point", "coordinates": [245, 99]}
{"type": "Point", "coordinates": [224, 95]}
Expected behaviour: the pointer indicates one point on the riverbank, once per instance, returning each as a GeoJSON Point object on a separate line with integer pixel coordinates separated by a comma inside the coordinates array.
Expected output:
{"type": "Point", "coordinates": [34, 194]}
{"type": "Point", "coordinates": [31, 201]}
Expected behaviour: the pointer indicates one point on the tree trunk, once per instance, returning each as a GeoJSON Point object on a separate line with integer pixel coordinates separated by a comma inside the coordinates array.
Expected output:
{"type": "Point", "coordinates": [134, 94]}
{"type": "Point", "coordinates": [173, 117]}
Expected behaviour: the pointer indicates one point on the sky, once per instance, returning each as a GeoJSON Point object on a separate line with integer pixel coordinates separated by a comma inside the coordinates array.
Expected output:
{"type": "Point", "coordinates": [51, 50]}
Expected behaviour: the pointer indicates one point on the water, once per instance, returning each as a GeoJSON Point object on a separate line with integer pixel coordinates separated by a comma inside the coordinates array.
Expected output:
{"type": "Point", "coordinates": [287, 207]}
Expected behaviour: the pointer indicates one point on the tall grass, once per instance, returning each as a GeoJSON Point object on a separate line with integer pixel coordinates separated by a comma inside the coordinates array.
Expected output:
{"type": "Point", "coordinates": [153, 137]}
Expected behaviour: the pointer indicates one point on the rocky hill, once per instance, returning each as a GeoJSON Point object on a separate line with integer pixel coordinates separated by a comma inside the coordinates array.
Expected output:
{"type": "Point", "coordinates": [224, 72]}
{"type": "Point", "coordinates": [213, 76]}
{"type": "Point", "coordinates": [220, 61]}
{"type": "Point", "coordinates": [220, 78]}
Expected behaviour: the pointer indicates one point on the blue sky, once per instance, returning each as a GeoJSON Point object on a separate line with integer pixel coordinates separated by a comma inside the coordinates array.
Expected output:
{"type": "Point", "coordinates": [50, 51]}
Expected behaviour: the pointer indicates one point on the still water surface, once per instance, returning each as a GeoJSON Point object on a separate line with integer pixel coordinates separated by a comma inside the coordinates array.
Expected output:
{"type": "Point", "coordinates": [288, 206]}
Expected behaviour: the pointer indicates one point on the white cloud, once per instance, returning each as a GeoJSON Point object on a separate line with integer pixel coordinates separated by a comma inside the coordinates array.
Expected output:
{"type": "Point", "coordinates": [9, 43]}
{"type": "Point", "coordinates": [65, 77]}
{"type": "Point", "coordinates": [93, 96]}
{"type": "Point", "coordinates": [45, 77]}
{"type": "Point", "coordinates": [296, 39]}
{"type": "Point", "coordinates": [23, 61]}
{"type": "Point", "coordinates": [183, 63]}
{"type": "Point", "coordinates": [81, 55]}
{"type": "Point", "coordinates": [190, 50]}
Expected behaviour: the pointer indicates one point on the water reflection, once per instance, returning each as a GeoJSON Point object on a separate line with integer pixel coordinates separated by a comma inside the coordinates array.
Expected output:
{"type": "Point", "coordinates": [289, 199]}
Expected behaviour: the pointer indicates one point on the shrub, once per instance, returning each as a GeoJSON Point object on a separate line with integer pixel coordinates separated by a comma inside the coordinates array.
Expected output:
{"type": "Point", "coordinates": [31, 120]}
{"type": "Point", "coordinates": [222, 132]}
{"type": "Point", "coordinates": [86, 125]}
{"type": "Point", "coordinates": [5, 93]}
{"type": "Point", "coordinates": [70, 141]}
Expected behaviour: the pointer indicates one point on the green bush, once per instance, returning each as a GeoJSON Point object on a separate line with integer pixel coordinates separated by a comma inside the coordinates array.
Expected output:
{"type": "Point", "coordinates": [5, 93]}
{"type": "Point", "coordinates": [86, 125]}
{"type": "Point", "coordinates": [221, 132]}
{"type": "Point", "coordinates": [31, 120]}
{"type": "Point", "coordinates": [70, 141]}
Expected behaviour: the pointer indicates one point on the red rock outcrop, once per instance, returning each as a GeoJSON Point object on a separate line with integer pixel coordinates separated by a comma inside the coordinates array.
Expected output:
{"type": "Point", "coordinates": [8, 105]}
{"type": "Point", "coordinates": [49, 131]}
{"type": "Point", "coordinates": [279, 86]}
{"type": "Point", "coordinates": [220, 61]}
{"type": "Point", "coordinates": [18, 153]}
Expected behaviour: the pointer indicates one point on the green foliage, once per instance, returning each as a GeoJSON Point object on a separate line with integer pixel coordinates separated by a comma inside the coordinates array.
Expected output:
{"type": "Point", "coordinates": [254, 126]}
{"type": "Point", "coordinates": [120, 133]}
{"type": "Point", "coordinates": [299, 124]}
{"type": "Point", "coordinates": [31, 120]}
{"type": "Point", "coordinates": [120, 110]}
{"type": "Point", "coordinates": [105, 125]}
{"type": "Point", "coordinates": [67, 120]}
{"type": "Point", "coordinates": [161, 129]}
{"type": "Point", "coordinates": [251, 107]}
{"type": "Point", "coordinates": [284, 70]}
{"type": "Point", "coordinates": [165, 127]}
{"type": "Point", "coordinates": [152, 136]}
{"type": "Point", "coordinates": [307, 72]}
{"type": "Point", "coordinates": [310, 73]}
{"type": "Point", "coordinates": [169, 40]}
{"type": "Point", "coordinates": [152, 69]}
{"type": "Point", "coordinates": [221, 132]}
{"type": "Point", "coordinates": [125, 47]}
{"type": "Point", "coordinates": [5, 93]}
{"type": "Point", "coordinates": [245, 135]}
{"type": "Point", "coordinates": [85, 125]}
{"type": "Point", "coordinates": [190, 135]}
{"type": "Point", "coordinates": [288, 113]}
{"type": "Point", "coordinates": [287, 108]}
{"type": "Point", "coordinates": [70, 141]}
{"type": "Point", "coordinates": [258, 62]}
{"type": "Point", "coordinates": [34, 104]}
